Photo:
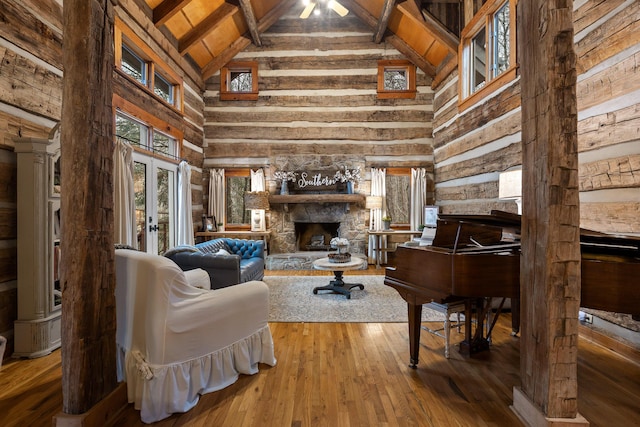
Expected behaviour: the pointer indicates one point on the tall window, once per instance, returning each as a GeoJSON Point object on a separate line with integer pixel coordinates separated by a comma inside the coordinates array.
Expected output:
{"type": "Point", "coordinates": [398, 201]}
{"type": "Point", "coordinates": [238, 181]}
{"type": "Point", "coordinates": [155, 156]}
{"type": "Point", "coordinates": [487, 53]}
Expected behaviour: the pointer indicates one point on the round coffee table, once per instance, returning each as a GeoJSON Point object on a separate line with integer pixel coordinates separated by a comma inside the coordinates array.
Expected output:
{"type": "Point", "coordinates": [337, 285]}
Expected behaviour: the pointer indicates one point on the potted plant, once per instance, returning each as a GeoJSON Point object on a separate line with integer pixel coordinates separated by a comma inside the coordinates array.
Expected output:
{"type": "Point", "coordinates": [386, 222]}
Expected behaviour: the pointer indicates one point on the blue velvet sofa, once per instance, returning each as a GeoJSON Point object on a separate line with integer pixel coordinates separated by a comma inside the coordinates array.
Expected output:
{"type": "Point", "coordinates": [227, 261]}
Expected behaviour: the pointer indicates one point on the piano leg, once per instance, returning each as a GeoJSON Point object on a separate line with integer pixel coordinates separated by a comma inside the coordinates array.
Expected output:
{"type": "Point", "coordinates": [515, 316]}
{"type": "Point", "coordinates": [415, 320]}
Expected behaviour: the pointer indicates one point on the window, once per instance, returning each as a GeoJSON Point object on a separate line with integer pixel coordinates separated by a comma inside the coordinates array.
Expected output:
{"type": "Point", "coordinates": [398, 199]}
{"type": "Point", "coordinates": [137, 133]}
{"type": "Point", "coordinates": [487, 52]}
{"type": "Point", "coordinates": [239, 81]}
{"type": "Point", "coordinates": [237, 182]}
{"type": "Point", "coordinates": [156, 154]}
{"type": "Point", "coordinates": [396, 79]}
{"type": "Point", "coordinates": [139, 62]}
{"type": "Point", "coordinates": [133, 65]}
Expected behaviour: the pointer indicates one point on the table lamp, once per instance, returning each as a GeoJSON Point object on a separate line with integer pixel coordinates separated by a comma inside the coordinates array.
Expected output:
{"type": "Point", "coordinates": [257, 202]}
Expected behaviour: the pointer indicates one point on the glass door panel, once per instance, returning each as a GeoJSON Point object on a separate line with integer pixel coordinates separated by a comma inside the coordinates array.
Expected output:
{"type": "Point", "coordinates": [155, 198]}
{"type": "Point", "coordinates": [165, 199]}
{"type": "Point", "coordinates": [140, 191]}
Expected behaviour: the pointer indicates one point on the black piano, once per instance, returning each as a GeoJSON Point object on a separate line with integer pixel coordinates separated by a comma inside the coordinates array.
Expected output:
{"type": "Point", "coordinates": [477, 257]}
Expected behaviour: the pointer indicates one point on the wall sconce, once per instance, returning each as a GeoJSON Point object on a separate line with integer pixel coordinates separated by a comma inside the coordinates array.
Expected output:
{"type": "Point", "coordinates": [257, 202]}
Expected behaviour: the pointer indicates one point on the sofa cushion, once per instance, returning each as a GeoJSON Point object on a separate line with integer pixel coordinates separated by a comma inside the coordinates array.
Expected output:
{"type": "Point", "coordinates": [212, 246]}
{"type": "Point", "coordinates": [179, 249]}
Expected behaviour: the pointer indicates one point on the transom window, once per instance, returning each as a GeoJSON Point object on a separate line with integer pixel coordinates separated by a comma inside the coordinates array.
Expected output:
{"type": "Point", "coordinates": [487, 52]}
{"type": "Point", "coordinates": [396, 79]}
{"type": "Point", "coordinates": [140, 63]}
{"type": "Point", "coordinates": [239, 81]}
{"type": "Point", "coordinates": [145, 136]}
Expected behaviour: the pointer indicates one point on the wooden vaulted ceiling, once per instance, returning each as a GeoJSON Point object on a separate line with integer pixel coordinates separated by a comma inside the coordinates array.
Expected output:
{"type": "Point", "coordinates": [212, 32]}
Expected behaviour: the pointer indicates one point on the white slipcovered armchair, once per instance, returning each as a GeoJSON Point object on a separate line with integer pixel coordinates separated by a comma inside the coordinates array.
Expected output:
{"type": "Point", "coordinates": [176, 342]}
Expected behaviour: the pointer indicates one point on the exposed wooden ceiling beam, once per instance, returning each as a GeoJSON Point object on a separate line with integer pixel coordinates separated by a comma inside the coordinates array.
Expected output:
{"type": "Point", "coordinates": [165, 10]}
{"type": "Point", "coordinates": [250, 18]}
{"type": "Point", "coordinates": [236, 47]}
{"type": "Point", "coordinates": [209, 23]}
{"type": "Point", "coordinates": [387, 8]}
{"type": "Point", "coordinates": [225, 56]}
{"type": "Point", "coordinates": [413, 56]}
{"type": "Point", "coordinates": [395, 41]}
{"type": "Point", "coordinates": [428, 22]}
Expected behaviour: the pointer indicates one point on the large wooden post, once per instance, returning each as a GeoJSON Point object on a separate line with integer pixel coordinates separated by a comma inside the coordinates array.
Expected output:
{"type": "Point", "coordinates": [87, 263]}
{"type": "Point", "coordinates": [550, 267]}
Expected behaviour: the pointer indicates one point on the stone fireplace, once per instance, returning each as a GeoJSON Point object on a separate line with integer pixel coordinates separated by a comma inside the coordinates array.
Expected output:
{"type": "Point", "coordinates": [302, 231]}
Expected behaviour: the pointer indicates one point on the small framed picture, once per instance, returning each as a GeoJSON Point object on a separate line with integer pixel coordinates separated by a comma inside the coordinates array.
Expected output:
{"type": "Point", "coordinates": [431, 215]}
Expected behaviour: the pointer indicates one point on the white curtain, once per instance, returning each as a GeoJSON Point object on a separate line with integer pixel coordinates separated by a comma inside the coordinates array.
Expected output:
{"type": "Point", "coordinates": [378, 188]}
{"type": "Point", "coordinates": [258, 184]}
{"type": "Point", "coordinates": [124, 221]}
{"type": "Point", "coordinates": [185, 214]}
{"type": "Point", "coordinates": [216, 194]}
{"type": "Point", "coordinates": [418, 196]}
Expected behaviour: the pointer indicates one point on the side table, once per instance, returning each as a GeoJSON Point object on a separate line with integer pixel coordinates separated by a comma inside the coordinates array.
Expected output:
{"type": "Point", "coordinates": [337, 285]}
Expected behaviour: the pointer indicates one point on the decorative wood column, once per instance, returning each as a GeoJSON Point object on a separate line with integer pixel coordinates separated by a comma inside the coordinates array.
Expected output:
{"type": "Point", "coordinates": [550, 266]}
{"type": "Point", "coordinates": [87, 265]}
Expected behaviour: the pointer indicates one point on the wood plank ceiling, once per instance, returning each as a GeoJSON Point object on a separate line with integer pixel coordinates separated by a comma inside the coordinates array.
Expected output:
{"type": "Point", "coordinates": [212, 32]}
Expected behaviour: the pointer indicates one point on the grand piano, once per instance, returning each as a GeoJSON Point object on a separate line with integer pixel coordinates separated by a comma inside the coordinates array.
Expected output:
{"type": "Point", "coordinates": [476, 258]}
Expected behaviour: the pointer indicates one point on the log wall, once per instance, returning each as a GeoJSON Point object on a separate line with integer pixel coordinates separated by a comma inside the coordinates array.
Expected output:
{"type": "Point", "coordinates": [31, 73]}
{"type": "Point", "coordinates": [473, 146]}
{"type": "Point", "coordinates": [318, 105]}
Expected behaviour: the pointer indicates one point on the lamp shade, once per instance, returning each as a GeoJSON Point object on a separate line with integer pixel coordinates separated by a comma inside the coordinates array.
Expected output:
{"type": "Point", "coordinates": [373, 202]}
{"type": "Point", "coordinates": [256, 200]}
{"type": "Point", "coordinates": [510, 185]}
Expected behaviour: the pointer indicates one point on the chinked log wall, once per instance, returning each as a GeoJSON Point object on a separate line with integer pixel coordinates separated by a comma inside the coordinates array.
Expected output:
{"type": "Point", "coordinates": [31, 100]}
{"type": "Point", "coordinates": [473, 146]}
{"type": "Point", "coordinates": [317, 83]}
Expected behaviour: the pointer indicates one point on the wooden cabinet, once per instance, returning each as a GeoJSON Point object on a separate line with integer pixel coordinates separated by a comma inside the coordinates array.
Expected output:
{"type": "Point", "coordinates": [37, 328]}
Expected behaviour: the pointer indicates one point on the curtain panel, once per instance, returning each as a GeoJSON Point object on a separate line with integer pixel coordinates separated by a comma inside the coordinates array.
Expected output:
{"type": "Point", "coordinates": [124, 221]}
{"type": "Point", "coordinates": [185, 214]}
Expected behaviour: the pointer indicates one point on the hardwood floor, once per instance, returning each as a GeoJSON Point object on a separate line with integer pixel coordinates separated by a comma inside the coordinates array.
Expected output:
{"type": "Point", "coordinates": [357, 374]}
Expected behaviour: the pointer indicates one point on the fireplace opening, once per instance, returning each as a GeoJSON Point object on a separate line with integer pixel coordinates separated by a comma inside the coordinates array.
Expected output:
{"type": "Point", "coordinates": [315, 236]}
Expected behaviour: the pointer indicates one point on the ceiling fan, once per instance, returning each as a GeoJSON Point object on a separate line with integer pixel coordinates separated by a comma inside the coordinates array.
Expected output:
{"type": "Point", "coordinates": [330, 4]}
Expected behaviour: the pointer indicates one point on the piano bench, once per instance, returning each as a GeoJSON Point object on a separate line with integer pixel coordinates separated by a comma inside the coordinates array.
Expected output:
{"type": "Point", "coordinates": [447, 309]}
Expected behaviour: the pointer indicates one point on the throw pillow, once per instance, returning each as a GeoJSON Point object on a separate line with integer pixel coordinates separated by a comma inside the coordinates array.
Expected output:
{"type": "Point", "coordinates": [198, 278]}
{"type": "Point", "coordinates": [180, 248]}
{"type": "Point", "coordinates": [222, 252]}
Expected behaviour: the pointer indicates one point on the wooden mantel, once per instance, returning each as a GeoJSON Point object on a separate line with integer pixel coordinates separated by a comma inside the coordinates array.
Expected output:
{"type": "Point", "coordinates": [317, 198]}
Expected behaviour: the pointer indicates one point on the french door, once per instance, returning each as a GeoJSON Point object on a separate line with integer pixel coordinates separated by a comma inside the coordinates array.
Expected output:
{"type": "Point", "coordinates": [155, 187]}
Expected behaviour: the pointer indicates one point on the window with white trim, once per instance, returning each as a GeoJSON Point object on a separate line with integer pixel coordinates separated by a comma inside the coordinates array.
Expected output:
{"type": "Point", "coordinates": [488, 51]}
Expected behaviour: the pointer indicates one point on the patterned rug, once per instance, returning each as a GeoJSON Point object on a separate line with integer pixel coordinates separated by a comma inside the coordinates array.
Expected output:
{"type": "Point", "coordinates": [292, 300]}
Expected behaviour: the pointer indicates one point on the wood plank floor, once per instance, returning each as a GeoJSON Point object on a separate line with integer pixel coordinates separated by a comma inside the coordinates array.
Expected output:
{"type": "Point", "coordinates": [356, 374]}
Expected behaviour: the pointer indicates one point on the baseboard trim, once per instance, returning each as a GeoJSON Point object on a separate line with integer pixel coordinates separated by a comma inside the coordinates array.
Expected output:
{"type": "Point", "coordinates": [617, 346]}
{"type": "Point", "coordinates": [102, 414]}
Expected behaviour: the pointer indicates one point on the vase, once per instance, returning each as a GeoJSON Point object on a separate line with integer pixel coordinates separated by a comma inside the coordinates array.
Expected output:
{"type": "Point", "coordinates": [343, 249]}
{"type": "Point", "coordinates": [284, 189]}
{"type": "Point", "coordinates": [386, 225]}
{"type": "Point", "coordinates": [349, 187]}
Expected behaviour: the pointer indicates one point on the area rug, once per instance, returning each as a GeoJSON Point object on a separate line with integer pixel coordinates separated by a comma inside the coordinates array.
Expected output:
{"type": "Point", "coordinates": [292, 300]}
